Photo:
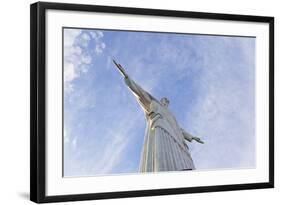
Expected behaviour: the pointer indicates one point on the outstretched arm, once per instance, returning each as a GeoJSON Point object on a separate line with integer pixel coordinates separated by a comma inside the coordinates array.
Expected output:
{"type": "Point", "coordinates": [190, 137]}
{"type": "Point", "coordinates": [143, 97]}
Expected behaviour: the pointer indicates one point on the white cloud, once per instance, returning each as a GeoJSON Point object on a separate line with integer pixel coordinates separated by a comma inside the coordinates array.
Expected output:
{"type": "Point", "coordinates": [96, 35]}
{"type": "Point", "coordinates": [68, 139]}
{"type": "Point", "coordinates": [84, 40]}
{"type": "Point", "coordinates": [65, 136]}
{"type": "Point", "coordinates": [69, 75]}
{"type": "Point", "coordinates": [77, 55]}
{"type": "Point", "coordinates": [99, 48]}
{"type": "Point", "coordinates": [72, 51]}
{"type": "Point", "coordinates": [74, 143]}
{"type": "Point", "coordinates": [70, 36]}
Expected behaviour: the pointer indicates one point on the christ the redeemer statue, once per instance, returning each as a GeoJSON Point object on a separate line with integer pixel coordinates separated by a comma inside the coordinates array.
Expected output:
{"type": "Point", "coordinates": [165, 147]}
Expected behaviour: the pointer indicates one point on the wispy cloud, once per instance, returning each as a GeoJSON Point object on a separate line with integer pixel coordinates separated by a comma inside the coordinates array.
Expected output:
{"type": "Point", "coordinates": [79, 50]}
{"type": "Point", "coordinates": [118, 140]}
{"type": "Point", "coordinates": [224, 113]}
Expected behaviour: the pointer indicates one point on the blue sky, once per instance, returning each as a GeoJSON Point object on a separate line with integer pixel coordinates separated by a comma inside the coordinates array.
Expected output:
{"type": "Point", "coordinates": [209, 81]}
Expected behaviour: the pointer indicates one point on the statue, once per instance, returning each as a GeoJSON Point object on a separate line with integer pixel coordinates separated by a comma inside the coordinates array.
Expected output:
{"type": "Point", "coordinates": [165, 147]}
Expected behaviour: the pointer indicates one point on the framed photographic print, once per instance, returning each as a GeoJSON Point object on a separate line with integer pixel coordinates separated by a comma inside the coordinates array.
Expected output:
{"type": "Point", "coordinates": [129, 102]}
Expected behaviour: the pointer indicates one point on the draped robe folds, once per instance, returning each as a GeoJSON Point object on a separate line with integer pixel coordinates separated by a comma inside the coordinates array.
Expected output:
{"type": "Point", "coordinates": [164, 147]}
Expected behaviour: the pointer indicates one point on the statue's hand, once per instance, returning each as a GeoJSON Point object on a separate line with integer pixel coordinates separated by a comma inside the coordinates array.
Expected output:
{"type": "Point", "coordinates": [197, 139]}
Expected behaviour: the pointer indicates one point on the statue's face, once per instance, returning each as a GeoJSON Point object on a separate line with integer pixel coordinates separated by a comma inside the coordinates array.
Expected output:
{"type": "Point", "coordinates": [165, 102]}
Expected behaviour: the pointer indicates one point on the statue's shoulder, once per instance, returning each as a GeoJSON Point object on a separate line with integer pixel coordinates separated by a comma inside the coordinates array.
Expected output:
{"type": "Point", "coordinates": [155, 102]}
{"type": "Point", "coordinates": [154, 105]}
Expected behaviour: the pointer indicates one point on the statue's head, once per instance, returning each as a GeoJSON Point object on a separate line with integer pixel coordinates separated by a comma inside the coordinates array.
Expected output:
{"type": "Point", "coordinates": [165, 102]}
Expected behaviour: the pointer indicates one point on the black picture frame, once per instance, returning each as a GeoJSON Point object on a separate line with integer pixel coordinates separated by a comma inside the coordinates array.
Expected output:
{"type": "Point", "coordinates": [38, 101]}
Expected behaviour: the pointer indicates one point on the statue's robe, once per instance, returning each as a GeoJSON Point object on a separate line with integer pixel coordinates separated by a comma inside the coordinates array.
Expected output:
{"type": "Point", "coordinates": [164, 148]}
